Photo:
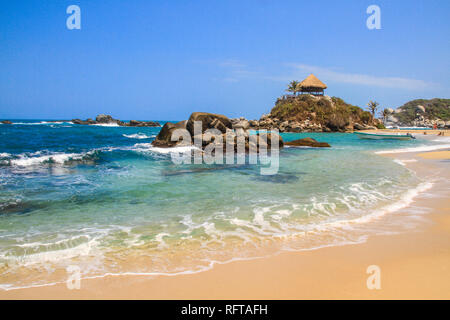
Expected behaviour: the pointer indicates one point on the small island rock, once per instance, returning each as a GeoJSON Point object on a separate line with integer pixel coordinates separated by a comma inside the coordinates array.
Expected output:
{"type": "Point", "coordinates": [307, 142]}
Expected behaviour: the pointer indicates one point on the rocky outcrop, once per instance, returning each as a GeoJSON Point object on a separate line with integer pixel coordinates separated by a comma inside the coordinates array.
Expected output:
{"type": "Point", "coordinates": [104, 118]}
{"type": "Point", "coordinates": [208, 121]}
{"type": "Point", "coordinates": [164, 137]}
{"type": "Point", "coordinates": [85, 122]}
{"type": "Point", "coordinates": [358, 126]}
{"type": "Point", "coordinates": [107, 119]}
{"type": "Point", "coordinates": [6, 122]}
{"type": "Point", "coordinates": [135, 123]}
{"type": "Point", "coordinates": [421, 113]}
{"type": "Point", "coordinates": [308, 113]}
{"type": "Point", "coordinates": [307, 142]}
{"type": "Point", "coordinates": [232, 134]}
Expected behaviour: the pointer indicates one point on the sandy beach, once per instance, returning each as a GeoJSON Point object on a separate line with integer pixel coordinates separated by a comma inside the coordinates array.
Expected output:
{"type": "Point", "coordinates": [225, 150]}
{"type": "Point", "coordinates": [413, 264]}
{"type": "Point", "coordinates": [437, 132]}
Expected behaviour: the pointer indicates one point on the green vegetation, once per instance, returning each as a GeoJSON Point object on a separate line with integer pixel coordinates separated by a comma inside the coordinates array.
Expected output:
{"type": "Point", "coordinates": [373, 106]}
{"type": "Point", "coordinates": [334, 113]}
{"type": "Point", "coordinates": [434, 109]}
{"type": "Point", "coordinates": [292, 87]}
{"type": "Point", "coordinates": [384, 114]}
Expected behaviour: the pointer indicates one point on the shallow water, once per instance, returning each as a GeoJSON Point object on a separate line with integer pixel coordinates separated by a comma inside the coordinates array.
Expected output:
{"type": "Point", "coordinates": [103, 199]}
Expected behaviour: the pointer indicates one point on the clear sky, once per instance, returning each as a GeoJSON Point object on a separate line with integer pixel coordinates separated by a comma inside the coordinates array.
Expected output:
{"type": "Point", "coordinates": [163, 59]}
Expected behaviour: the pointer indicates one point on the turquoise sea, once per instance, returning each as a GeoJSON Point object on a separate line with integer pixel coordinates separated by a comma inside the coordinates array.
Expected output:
{"type": "Point", "coordinates": [103, 199]}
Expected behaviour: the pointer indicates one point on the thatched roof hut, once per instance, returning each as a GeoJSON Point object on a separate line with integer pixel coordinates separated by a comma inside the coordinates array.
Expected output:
{"type": "Point", "coordinates": [311, 85]}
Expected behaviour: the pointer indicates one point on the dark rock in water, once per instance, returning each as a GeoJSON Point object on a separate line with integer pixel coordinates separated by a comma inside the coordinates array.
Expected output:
{"type": "Point", "coordinates": [6, 122]}
{"type": "Point", "coordinates": [79, 121]}
{"type": "Point", "coordinates": [278, 178]}
{"type": "Point", "coordinates": [209, 121]}
{"type": "Point", "coordinates": [84, 122]}
{"type": "Point", "coordinates": [135, 123]}
{"type": "Point", "coordinates": [21, 207]}
{"type": "Point", "coordinates": [164, 137]}
{"type": "Point", "coordinates": [104, 118]}
{"type": "Point", "coordinates": [307, 142]}
{"type": "Point", "coordinates": [107, 119]}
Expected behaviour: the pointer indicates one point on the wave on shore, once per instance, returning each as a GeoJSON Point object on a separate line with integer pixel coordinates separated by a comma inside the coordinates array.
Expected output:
{"type": "Point", "coordinates": [416, 149]}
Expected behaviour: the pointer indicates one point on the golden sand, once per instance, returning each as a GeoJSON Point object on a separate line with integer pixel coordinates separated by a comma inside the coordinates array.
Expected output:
{"type": "Point", "coordinates": [437, 155]}
{"type": "Point", "coordinates": [413, 265]}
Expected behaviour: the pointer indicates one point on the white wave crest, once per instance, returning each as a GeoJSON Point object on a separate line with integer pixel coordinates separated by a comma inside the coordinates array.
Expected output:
{"type": "Point", "coordinates": [404, 161]}
{"type": "Point", "coordinates": [57, 158]}
{"type": "Point", "coordinates": [415, 149]}
{"type": "Point", "coordinates": [137, 136]}
{"type": "Point", "coordinates": [148, 147]}
{"type": "Point", "coordinates": [41, 123]}
{"type": "Point", "coordinates": [112, 124]}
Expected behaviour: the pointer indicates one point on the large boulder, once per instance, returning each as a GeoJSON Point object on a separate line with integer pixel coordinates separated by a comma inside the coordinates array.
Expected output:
{"type": "Point", "coordinates": [6, 122]}
{"type": "Point", "coordinates": [164, 137]}
{"type": "Point", "coordinates": [307, 142]}
{"type": "Point", "coordinates": [209, 121]}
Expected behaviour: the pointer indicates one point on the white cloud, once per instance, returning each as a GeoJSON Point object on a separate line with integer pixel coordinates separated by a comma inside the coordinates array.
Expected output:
{"type": "Point", "coordinates": [237, 71]}
{"type": "Point", "coordinates": [361, 79]}
{"type": "Point", "coordinates": [232, 63]}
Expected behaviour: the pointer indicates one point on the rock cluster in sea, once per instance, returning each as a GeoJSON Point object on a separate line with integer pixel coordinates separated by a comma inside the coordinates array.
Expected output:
{"type": "Point", "coordinates": [232, 132]}
{"type": "Point", "coordinates": [107, 119]}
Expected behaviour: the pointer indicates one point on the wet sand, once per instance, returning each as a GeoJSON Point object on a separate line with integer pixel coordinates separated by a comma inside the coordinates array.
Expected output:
{"type": "Point", "coordinates": [413, 265]}
{"type": "Point", "coordinates": [437, 132]}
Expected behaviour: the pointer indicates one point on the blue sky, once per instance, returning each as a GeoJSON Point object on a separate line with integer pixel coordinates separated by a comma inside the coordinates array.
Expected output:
{"type": "Point", "coordinates": [164, 59]}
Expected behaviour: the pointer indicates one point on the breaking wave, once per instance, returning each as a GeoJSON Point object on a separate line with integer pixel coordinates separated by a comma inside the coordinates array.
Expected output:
{"type": "Point", "coordinates": [138, 136]}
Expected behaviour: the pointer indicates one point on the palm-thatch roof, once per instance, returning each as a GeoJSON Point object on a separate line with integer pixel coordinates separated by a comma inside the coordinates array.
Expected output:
{"type": "Point", "coordinates": [311, 82]}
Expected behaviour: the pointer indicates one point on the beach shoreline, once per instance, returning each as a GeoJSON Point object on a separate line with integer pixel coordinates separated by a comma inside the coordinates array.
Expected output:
{"type": "Point", "coordinates": [413, 264]}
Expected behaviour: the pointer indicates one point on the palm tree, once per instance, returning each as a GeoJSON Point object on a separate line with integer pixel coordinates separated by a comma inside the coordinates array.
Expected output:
{"type": "Point", "coordinates": [385, 113]}
{"type": "Point", "coordinates": [373, 105]}
{"type": "Point", "coordinates": [293, 87]}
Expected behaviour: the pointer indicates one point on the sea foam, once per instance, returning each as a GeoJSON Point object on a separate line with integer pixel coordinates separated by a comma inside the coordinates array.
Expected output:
{"type": "Point", "coordinates": [415, 149]}
{"type": "Point", "coordinates": [138, 136]}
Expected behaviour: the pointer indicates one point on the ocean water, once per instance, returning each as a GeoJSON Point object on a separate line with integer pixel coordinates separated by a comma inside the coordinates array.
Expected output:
{"type": "Point", "coordinates": [102, 199]}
